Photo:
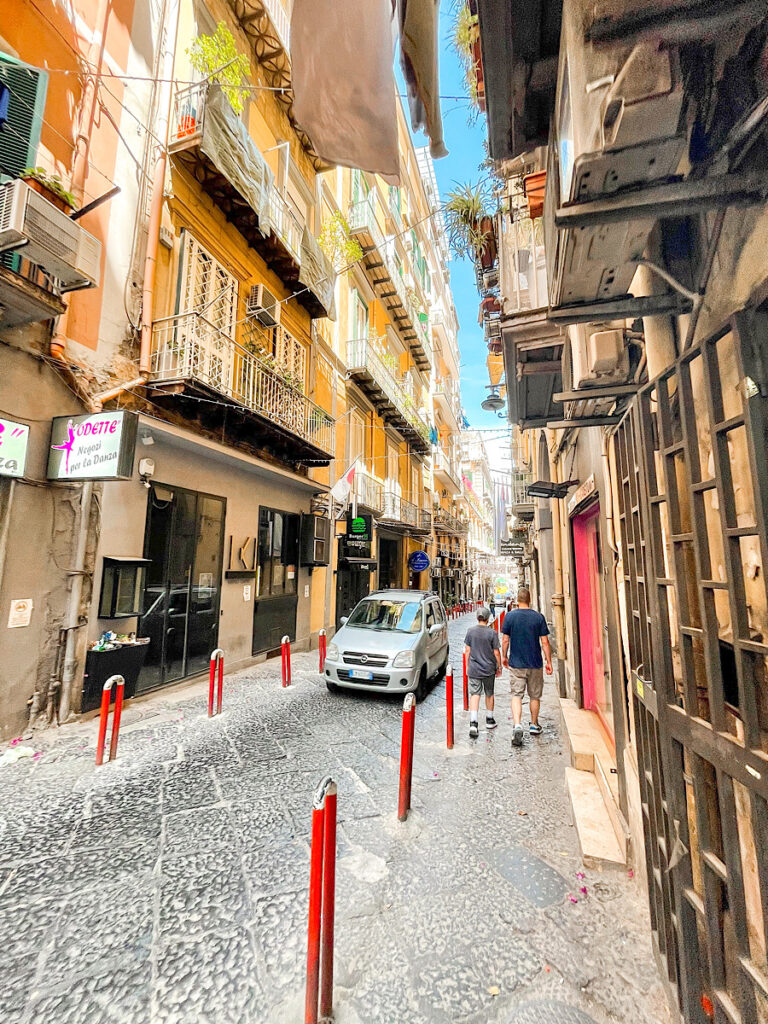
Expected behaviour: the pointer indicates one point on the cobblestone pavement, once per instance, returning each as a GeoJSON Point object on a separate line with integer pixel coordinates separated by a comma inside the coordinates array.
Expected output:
{"type": "Point", "coordinates": [171, 886]}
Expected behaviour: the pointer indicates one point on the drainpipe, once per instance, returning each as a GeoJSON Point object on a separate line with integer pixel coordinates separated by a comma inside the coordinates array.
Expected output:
{"type": "Point", "coordinates": [73, 624]}
{"type": "Point", "coordinates": [158, 190]}
{"type": "Point", "coordinates": [58, 345]}
{"type": "Point", "coordinates": [558, 598]}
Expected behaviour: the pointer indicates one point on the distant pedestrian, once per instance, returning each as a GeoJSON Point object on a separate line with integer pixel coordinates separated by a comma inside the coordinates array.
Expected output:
{"type": "Point", "coordinates": [492, 606]}
{"type": "Point", "coordinates": [524, 636]}
{"type": "Point", "coordinates": [481, 646]}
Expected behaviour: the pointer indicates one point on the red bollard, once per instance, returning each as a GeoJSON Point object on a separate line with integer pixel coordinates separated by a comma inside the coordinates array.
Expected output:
{"type": "Point", "coordinates": [322, 896]}
{"type": "Point", "coordinates": [406, 756]}
{"type": "Point", "coordinates": [217, 658]}
{"type": "Point", "coordinates": [106, 696]}
{"type": "Point", "coordinates": [285, 657]}
{"type": "Point", "coordinates": [321, 647]}
{"type": "Point", "coordinates": [465, 682]}
{"type": "Point", "coordinates": [449, 706]}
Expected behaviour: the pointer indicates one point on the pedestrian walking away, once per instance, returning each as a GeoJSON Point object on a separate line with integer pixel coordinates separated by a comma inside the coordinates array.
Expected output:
{"type": "Point", "coordinates": [524, 636]}
{"type": "Point", "coordinates": [492, 606]}
{"type": "Point", "coordinates": [481, 645]}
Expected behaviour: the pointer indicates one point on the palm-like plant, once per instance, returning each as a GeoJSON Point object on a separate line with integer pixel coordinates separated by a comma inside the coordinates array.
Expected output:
{"type": "Point", "coordinates": [465, 208]}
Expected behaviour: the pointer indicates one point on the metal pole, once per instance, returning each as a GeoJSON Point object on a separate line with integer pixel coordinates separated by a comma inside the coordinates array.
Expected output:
{"type": "Point", "coordinates": [116, 716]}
{"type": "Point", "coordinates": [216, 656]}
{"type": "Point", "coordinates": [285, 652]}
{"type": "Point", "coordinates": [449, 706]}
{"type": "Point", "coordinates": [313, 928]}
{"type": "Point", "coordinates": [406, 756]}
{"type": "Point", "coordinates": [329, 903]}
{"type": "Point", "coordinates": [465, 681]}
{"type": "Point", "coordinates": [220, 692]}
{"type": "Point", "coordinates": [322, 647]}
{"type": "Point", "coordinates": [106, 693]}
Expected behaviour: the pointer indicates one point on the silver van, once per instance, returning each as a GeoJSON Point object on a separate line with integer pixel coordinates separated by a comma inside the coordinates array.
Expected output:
{"type": "Point", "coordinates": [393, 640]}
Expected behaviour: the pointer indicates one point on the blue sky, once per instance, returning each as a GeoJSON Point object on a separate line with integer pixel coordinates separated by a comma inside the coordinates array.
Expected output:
{"type": "Point", "coordinates": [465, 145]}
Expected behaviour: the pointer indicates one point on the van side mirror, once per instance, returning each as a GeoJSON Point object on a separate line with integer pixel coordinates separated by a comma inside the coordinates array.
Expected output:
{"type": "Point", "coordinates": [344, 619]}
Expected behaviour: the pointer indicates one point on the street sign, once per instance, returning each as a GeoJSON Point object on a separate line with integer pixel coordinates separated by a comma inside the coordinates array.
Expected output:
{"type": "Point", "coordinates": [418, 561]}
{"type": "Point", "coordinates": [95, 447]}
{"type": "Point", "coordinates": [511, 548]}
{"type": "Point", "coordinates": [14, 438]}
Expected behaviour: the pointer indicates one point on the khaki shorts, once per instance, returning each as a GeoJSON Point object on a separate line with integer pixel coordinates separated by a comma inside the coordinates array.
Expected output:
{"type": "Point", "coordinates": [530, 678]}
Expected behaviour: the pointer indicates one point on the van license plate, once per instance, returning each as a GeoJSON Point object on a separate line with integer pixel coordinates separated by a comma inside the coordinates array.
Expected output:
{"type": "Point", "coordinates": [361, 673]}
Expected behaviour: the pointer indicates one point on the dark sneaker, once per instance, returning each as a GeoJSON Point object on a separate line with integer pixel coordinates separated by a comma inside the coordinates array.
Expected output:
{"type": "Point", "coordinates": [517, 736]}
{"type": "Point", "coordinates": [490, 722]}
{"type": "Point", "coordinates": [535, 729]}
{"type": "Point", "coordinates": [473, 730]}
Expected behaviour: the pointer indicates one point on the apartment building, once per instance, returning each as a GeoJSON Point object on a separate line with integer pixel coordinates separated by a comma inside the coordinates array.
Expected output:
{"type": "Point", "coordinates": [632, 295]}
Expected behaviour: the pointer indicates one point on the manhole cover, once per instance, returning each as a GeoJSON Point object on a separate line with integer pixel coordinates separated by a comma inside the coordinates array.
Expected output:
{"type": "Point", "coordinates": [530, 875]}
{"type": "Point", "coordinates": [547, 1012]}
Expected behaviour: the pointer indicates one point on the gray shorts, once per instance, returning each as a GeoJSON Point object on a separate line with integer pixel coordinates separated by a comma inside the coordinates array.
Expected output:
{"type": "Point", "coordinates": [531, 679]}
{"type": "Point", "coordinates": [482, 684]}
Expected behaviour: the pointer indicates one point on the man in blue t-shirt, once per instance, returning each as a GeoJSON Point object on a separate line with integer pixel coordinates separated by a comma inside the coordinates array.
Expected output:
{"type": "Point", "coordinates": [524, 636]}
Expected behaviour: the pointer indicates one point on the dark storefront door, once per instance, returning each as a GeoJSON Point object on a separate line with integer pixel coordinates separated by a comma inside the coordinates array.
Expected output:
{"type": "Point", "coordinates": [352, 585]}
{"type": "Point", "coordinates": [274, 613]}
{"type": "Point", "coordinates": [389, 563]}
{"type": "Point", "coordinates": [184, 541]}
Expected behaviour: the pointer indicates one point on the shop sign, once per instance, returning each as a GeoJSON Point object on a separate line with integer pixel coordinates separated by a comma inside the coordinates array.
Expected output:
{"type": "Point", "coordinates": [95, 447]}
{"type": "Point", "coordinates": [14, 438]}
{"type": "Point", "coordinates": [418, 561]}
{"type": "Point", "coordinates": [511, 548]}
{"type": "Point", "coordinates": [582, 493]}
{"type": "Point", "coordinates": [357, 542]}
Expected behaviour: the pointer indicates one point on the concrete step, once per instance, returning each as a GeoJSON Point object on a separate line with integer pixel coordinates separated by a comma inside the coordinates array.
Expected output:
{"type": "Point", "coordinates": [607, 780]}
{"type": "Point", "coordinates": [598, 843]}
{"type": "Point", "coordinates": [591, 752]}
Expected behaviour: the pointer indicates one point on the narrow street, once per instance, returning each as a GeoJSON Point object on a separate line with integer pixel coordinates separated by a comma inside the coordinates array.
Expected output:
{"type": "Point", "coordinates": [171, 885]}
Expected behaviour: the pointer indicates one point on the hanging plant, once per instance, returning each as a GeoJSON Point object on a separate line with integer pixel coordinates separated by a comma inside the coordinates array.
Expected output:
{"type": "Point", "coordinates": [216, 56]}
{"type": "Point", "coordinates": [336, 242]}
{"type": "Point", "coordinates": [51, 186]}
{"type": "Point", "coordinates": [467, 219]}
{"type": "Point", "coordinates": [465, 40]}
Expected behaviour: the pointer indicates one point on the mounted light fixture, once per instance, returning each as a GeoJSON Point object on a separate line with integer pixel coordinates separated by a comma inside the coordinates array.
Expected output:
{"type": "Point", "coordinates": [546, 489]}
{"type": "Point", "coordinates": [494, 401]}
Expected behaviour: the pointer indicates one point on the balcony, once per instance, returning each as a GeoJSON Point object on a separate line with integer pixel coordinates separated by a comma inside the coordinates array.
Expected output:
{"type": "Point", "coordinates": [404, 515]}
{"type": "Point", "coordinates": [192, 357]}
{"type": "Point", "coordinates": [444, 331]}
{"type": "Point", "coordinates": [368, 492]}
{"type": "Point", "coordinates": [388, 394]}
{"type": "Point", "coordinates": [27, 294]}
{"type": "Point", "coordinates": [448, 524]}
{"type": "Point", "coordinates": [522, 265]}
{"type": "Point", "coordinates": [209, 140]}
{"type": "Point", "coordinates": [446, 471]}
{"type": "Point", "coordinates": [387, 281]}
{"type": "Point", "coordinates": [447, 397]}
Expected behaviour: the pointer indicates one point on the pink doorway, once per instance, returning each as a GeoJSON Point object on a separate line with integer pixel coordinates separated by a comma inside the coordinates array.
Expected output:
{"type": "Point", "coordinates": [596, 692]}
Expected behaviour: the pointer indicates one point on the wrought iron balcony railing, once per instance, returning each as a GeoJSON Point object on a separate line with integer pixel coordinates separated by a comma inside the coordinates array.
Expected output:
{"type": "Point", "coordinates": [397, 509]}
{"type": "Point", "coordinates": [365, 363]}
{"type": "Point", "coordinates": [188, 347]}
{"type": "Point", "coordinates": [369, 492]}
{"type": "Point", "coordinates": [447, 523]}
{"type": "Point", "coordinates": [522, 265]}
{"type": "Point", "coordinates": [445, 462]}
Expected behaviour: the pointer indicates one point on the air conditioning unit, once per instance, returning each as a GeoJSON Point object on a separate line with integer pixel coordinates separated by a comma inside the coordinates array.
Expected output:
{"type": "Point", "coordinates": [645, 100]}
{"type": "Point", "coordinates": [263, 306]}
{"type": "Point", "coordinates": [47, 237]}
{"type": "Point", "coordinates": [600, 357]}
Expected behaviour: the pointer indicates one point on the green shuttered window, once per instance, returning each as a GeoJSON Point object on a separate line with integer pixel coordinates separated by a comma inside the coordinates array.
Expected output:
{"type": "Point", "coordinates": [20, 136]}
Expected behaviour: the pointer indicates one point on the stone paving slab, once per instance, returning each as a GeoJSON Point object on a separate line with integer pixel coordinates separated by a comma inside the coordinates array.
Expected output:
{"type": "Point", "coordinates": [170, 886]}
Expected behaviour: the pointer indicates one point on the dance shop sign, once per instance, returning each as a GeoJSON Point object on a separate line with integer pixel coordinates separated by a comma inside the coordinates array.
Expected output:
{"type": "Point", "coordinates": [96, 447]}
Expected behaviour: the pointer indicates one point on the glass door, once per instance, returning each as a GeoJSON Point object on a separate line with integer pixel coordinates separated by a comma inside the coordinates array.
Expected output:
{"type": "Point", "coordinates": [184, 541]}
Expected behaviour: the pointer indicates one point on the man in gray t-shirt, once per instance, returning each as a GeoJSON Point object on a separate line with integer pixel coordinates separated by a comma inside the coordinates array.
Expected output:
{"type": "Point", "coordinates": [481, 647]}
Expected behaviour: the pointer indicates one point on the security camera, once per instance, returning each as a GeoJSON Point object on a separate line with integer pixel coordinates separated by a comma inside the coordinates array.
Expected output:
{"type": "Point", "coordinates": [146, 470]}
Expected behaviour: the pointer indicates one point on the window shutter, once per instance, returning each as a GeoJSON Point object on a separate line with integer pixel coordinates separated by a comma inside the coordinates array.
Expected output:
{"type": "Point", "coordinates": [20, 136]}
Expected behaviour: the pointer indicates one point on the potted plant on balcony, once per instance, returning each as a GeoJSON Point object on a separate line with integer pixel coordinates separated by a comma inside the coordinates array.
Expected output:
{"type": "Point", "coordinates": [469, 223]}
{"type": "Point", "coordinates": [216, 57]}
{"type": "Point", "coordinates": [50, 187]}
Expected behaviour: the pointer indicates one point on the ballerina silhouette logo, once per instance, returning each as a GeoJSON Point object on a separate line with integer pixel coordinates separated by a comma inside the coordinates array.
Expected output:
{"type": "Point", "coordinates": [67, 446]}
